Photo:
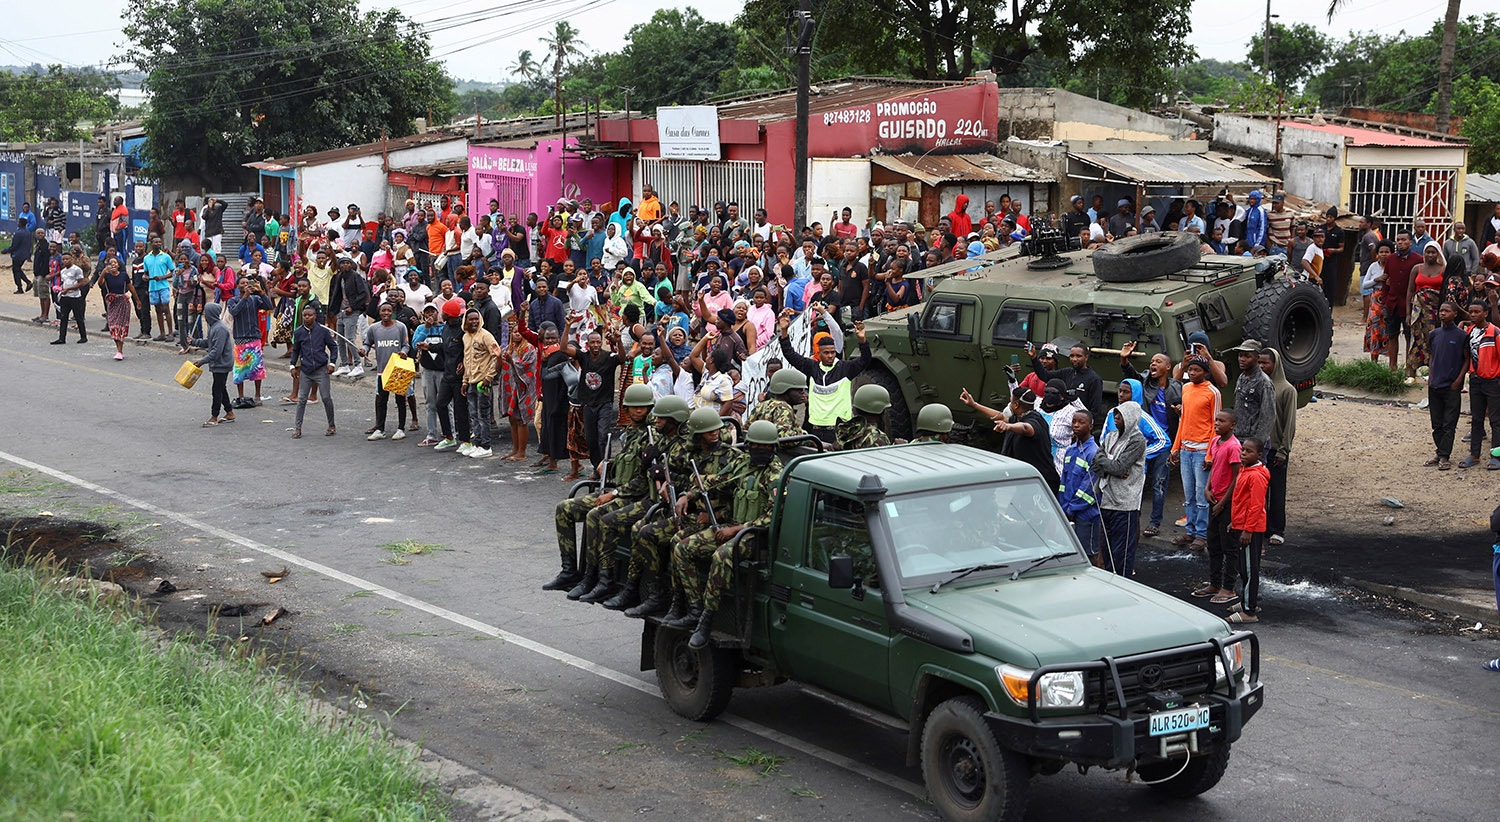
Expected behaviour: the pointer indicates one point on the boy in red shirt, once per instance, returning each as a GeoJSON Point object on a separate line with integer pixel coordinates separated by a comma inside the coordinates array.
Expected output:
{"type": "Point", "coordinates": [1223, 472]}
{"type": "Point", "coordinates": [1248, 525]}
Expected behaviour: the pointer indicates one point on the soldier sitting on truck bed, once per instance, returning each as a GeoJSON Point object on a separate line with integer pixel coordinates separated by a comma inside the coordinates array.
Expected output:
{"type": "Point", "coordinates": [713, 462]}
{"type": "Point", "coordinates": [934, 423]}
{"type": "Point", "coordinates": [754, 486]}
{"type": "Point", "coordinates": [866, 429]}
{"type": "Point", "coordinates": [627, 468]}
{"type": "Point", "coordinates": [787, 388]}
{"type": "Point", "coordinates": [665, 437]}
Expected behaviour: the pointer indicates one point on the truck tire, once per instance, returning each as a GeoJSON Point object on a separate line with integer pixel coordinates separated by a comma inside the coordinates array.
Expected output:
{"type": "Point", "coordinates": [1202, 773]}
{"type": "Point", "coordinates": [969, 777]}
{"type": "Point", "coordinates": [697, 684]}
{"type": "Point", "coordinates": [1147, 257]}
{"type": "Point", "coordinates": [1293, 318]}
{"type": "Point", "coordinates": [898, 416]}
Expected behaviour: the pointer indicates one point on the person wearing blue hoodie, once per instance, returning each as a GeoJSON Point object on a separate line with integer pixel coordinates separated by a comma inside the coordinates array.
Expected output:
{"type": "Point", "coordinates": [1161, 404]}
{"type": "Point", "coordinates": [220, 360]}
{"type": "Point", "coordinates": [622, 218]}
{"type": "Point", "coordinates": [1076, 490]}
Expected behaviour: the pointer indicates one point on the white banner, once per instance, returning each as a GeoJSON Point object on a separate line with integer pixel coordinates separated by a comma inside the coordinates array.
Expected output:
{"type": "Point", "coordinates": [688, 132]}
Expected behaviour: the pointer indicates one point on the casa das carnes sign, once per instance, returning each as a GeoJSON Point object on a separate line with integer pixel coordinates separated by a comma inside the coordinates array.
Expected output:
{"type": "Point", "coordinates": [688, 132]}
{"type": "Point", "coordinates": [958, 117]}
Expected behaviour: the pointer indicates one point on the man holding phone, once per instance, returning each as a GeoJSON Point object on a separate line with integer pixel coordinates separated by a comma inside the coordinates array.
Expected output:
{"type": "Point", "coordinates": [1082, 380]}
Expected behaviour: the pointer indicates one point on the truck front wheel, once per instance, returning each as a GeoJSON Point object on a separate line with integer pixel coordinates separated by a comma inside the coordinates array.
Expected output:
{"type": "Point", "coordinates": [969, 776]}
{"type": "Point", "coordinates": [696, 683]}
{"type": "Point", "coordinates": [1202, 773]}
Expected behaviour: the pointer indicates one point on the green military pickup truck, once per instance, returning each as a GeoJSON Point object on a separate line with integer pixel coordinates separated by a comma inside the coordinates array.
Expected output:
{"type": "Point", "coordinates": [941, 585]}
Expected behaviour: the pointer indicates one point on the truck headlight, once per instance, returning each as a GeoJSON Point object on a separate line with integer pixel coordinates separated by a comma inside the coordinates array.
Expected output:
{"type": "Point", "coordinates": [1236, 653]}
{"type": "Point", "coordinates": [1060, 689]}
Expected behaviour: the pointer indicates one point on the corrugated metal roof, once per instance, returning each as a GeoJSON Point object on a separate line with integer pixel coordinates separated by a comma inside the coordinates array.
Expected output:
{"type": "Point", "coordinates": [937, 169]}
{"type": "Point", "coordinates": [1174, 169]}
{"type": "Point", "coordinates": [1482, 188]}
{"type": "Point", "coordinates": [832, 95]}
{"type": "Point", "coordinates": [355, 152]}
{"type": "Point", "coordinates": [452, 168]}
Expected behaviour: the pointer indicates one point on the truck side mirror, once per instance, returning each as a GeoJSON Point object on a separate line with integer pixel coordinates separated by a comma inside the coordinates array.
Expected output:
{"type": "Point", "coordinates": [840, 572]}
{"type": "Point", "coordinates": [913, 325]}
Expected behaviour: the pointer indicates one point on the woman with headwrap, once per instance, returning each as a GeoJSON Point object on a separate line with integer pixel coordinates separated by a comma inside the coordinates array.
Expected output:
{"type": "Point", "coordinates": [1427, 280]}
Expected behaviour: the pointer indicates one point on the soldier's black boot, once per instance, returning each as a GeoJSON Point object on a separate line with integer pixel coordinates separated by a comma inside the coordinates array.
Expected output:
{"type": "Point", "coordinates": [656, 598]}
{"type": "Point", "coordinates": [678, 609]}
{"type": "Point", "coordinates": [605, 588]}
{"type": "Point", "coordinates": [568, 576]}
{"type": "Point", "coordinates": [705, 630]}
{"type": "Point", "coordinates": [627, 597]}
{"type": "Point", "coordinates": [586, 584]}
{"type": "Point", "coordinates": [688, 621]}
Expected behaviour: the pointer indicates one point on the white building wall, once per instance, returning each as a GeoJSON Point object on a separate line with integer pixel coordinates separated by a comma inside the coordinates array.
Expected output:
{"type": "Point", "coordinates": [362, 180]}
{"type": "Point", "coordinates": [1312, 162]}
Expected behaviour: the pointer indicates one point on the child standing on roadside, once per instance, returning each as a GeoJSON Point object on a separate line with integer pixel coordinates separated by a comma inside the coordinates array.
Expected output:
{"type": "Point", "coordinates": [1247, 525]}
{"type": "Point", "coordinates": [1223, 471]}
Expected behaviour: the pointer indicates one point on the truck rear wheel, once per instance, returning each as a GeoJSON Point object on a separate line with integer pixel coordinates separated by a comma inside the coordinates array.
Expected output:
{"type": "Point", "coordinates": [1202, 773]}
{"type": "Point", "coordinates": [1293, 318]}
{"type": "Point", "coordinates": [697, 684]}
{"type": "Point", "coordinates": [969, 776]}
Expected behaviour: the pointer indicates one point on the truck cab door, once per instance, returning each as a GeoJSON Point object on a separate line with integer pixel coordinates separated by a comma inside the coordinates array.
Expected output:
{"type": "Point", "coordinates": [836, 639]}
{"type": "Point", "coordinates": [947, 329]}
{"type": "Point", "coordinates": [1015, 324]}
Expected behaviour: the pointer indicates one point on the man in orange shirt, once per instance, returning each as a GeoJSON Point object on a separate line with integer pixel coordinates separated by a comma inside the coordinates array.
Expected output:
{"type": "Point", "coordinates": [119, 224]}
{"type": "Point", "coordinates": [650, 207]}
{"type": "Point", "coordinates": [1201, 403]}
{"type": "Point", "coordinates": [437, 240]}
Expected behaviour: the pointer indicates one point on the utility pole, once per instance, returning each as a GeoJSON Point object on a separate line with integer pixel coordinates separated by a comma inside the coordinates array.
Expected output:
{"type": "Point", "coordinates": [1265, 44]}
{"type": "Point", "coordinates": [804, 21]}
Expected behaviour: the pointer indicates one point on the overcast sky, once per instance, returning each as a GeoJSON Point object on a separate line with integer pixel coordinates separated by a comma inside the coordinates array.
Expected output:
{"type": "Point", "coordinates": [481, 44]}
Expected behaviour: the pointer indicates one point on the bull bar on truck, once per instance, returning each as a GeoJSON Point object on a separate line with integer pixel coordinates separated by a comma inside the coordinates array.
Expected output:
{"type": "Point", "coordinates": [1117, 733]}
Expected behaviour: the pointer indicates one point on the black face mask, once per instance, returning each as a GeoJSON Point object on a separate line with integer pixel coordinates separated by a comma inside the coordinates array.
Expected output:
{"type": "Point", "coordinates": [1052, 401]}
{"type": "Point", "coordinates": [761, 457]}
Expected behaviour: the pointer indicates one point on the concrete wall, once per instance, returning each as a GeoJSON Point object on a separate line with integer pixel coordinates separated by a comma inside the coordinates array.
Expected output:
{"type": "Point", "coordinates": [1312, 163]}
{"type": "Point", "coordinates": [362, 181]}
{"type": "Point", "coordinates": [1050, 113]}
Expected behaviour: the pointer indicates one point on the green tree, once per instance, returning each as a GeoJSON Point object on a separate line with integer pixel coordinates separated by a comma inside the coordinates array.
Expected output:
{"type": "Point", "coordinates": [1297, 52]}
{"type": "Point", "coordinates": [51, 105]}
{"type": "Point", "coordinates": [234, 80]}
{"type": "Point", "coordinates": [1130, 45]}
{"type": "Point", "coordinates": [1209, 80]}
{"type": "Point", "coordinates": [525, 67]}
{"type": "Point", "coordinates": [674, 58]}
{"type": "Point", "coordinates": [1477, 100]}
{"type": "Point", "coordinates": [564, 48]}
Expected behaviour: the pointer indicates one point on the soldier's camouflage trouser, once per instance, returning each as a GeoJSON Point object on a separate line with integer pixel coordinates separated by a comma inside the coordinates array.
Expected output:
{"type": "Point", "coordinates": [567, 515]}
{"type": "Point", "coordinates": [616, 526]}
{"type": "Point", "coordinates": [686, 555]}
{"type": "Point", "coordinates": [651, 544]}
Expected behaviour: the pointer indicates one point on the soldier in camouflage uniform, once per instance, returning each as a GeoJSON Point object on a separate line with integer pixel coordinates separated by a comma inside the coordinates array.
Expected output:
{"type": "Point", "coordinates": [627, 470]}
{"type": "Point", "coordinates": [934, 422]}
{"type": "Point", "coordinates": [715, 461]}
{"type": "Point", "coordinates": [619, 526]}
{"type": "Point", "coordinates": [754, 489]}
{"type": "Point", "coordinates": [866, 429]}
{"type": "Point", "coordinates": [787, 388]}
{"type": "Point", "coordinates": [697, 544]}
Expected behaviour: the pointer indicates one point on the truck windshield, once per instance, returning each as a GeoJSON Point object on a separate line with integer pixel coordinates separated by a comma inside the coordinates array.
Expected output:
{"type": "Point", "coordinates": [1005, 524]}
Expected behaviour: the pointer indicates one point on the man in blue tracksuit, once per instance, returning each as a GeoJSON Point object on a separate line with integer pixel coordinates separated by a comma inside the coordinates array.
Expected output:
{"type": "Point", "coordinates": [1076, 491]}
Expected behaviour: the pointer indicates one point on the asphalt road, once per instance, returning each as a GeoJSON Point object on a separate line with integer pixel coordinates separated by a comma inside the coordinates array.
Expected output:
{"type": "Point", "coordinates": [1371, 713]}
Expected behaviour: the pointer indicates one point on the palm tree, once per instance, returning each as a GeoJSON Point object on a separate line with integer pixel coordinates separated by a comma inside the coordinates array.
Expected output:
{"type": "Point", "coordinates": [563, 46]}
{"type": "Point", "coordinates": [525, 67]}
{"type": "Point", "coordinates": [1444, 107]}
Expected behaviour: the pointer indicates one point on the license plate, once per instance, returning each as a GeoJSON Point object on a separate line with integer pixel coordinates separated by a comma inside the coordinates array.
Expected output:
{"type": "Point", "coordinates": [1179, 721]}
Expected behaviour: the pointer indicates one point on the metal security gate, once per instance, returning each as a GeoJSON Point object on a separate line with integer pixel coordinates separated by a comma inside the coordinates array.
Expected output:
{"type": "Point", "coordinates": [702, 182]}
{"type": "Point", "coordinates": [1403, 194]}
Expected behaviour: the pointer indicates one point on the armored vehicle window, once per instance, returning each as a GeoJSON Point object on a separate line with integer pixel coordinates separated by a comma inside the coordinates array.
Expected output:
{"type": "Point", "coordinates": [839, 529]}
{"type": "Point", "coordinates": [950, 319]}
{"type": "Point", "coordinates": [1012, 325]}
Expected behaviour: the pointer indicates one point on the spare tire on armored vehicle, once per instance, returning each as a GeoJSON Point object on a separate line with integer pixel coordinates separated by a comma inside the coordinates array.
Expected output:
{"type": "Point", "coordinates": [1147, 257]}
{"type": "Point", "coordinates": [1292, 317]}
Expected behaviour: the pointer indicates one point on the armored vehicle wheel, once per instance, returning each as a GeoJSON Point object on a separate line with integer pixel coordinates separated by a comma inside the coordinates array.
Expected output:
{"type": "Point", "coordinates": [898, 416]}
{"type": "Point", "coordinates": [968, 775]}
{"type": "Point", "coordinates": [697, 684]}
{"type": "Point", "coordinates": [1294, 318]}
{"type": "Point", "coordinates": [1147, 257]}
{"type": "Point", "coordinates": [1202, 773]}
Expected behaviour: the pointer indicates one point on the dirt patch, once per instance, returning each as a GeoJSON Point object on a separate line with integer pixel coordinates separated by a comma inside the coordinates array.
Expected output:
{"type": "Point", "coordinates": [79, 548]}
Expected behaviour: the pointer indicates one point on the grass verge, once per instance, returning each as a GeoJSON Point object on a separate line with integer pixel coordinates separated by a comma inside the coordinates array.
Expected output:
{"type": "Point", "coordinates": [1364, 375]}
{"type": "Point", "coordinates": [103, 722]}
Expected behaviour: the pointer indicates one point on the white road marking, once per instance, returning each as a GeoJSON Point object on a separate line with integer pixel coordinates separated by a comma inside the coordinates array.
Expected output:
{"type": "Point", "coordinates": [571, 660]}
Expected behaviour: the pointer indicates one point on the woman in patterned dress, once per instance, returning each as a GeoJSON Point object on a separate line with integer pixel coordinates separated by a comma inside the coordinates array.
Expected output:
{"type": "Point", "coordinates": [519, 384]}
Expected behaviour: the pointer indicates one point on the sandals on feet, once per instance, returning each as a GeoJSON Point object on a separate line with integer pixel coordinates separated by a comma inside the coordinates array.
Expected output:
{"type": "Point", "coordinates": [1224, 599]}
{"type": "Point", "coordinates": [1205, 591]}
{"type": "Point", "coordinates": [297, 435]}
{"type": "Point", "coordinates": [1239, 617]}
{"type": "Point", "coordinates": [1151, 531]}
{"type": "Point", "coordinates": [209, 424]}
{"type": "Point", "coordinates": [330, 432]}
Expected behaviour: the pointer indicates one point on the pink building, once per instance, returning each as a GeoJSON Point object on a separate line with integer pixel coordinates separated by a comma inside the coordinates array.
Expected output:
{"type": "Point", "coordinates": [529, 175]}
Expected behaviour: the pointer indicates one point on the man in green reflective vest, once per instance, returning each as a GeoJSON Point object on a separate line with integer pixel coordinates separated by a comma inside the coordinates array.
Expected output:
{"type": "Point", "coordinates": [829, 399]}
